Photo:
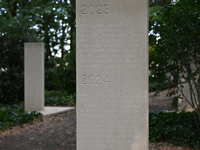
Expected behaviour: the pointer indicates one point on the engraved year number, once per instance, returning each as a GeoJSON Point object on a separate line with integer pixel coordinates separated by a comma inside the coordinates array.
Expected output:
{"type": "Point", "coordinates": [94, 80]}
{"type": "Point", "coordinates": [98, 9]}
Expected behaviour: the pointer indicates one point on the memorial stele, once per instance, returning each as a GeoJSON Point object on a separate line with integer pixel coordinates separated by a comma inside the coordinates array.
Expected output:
{"type": "Point", "coordinates": [112, 74]}
{"type": "Point", "coordinates": [34, 76]}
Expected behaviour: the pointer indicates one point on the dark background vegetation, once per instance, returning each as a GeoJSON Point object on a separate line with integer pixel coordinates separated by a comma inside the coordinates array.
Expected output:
{"type": "Point", "coordinates": [51, 22]}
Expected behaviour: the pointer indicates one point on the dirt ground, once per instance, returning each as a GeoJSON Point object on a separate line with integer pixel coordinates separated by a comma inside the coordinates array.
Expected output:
{"type": "Point", "coordinates": [59, 132]}
{"type": "Point", "coordinates": [160, 102]}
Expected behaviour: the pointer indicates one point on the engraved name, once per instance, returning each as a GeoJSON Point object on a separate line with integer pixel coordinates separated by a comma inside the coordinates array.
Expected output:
{"type": "Point", "coordinates": [95, 10]}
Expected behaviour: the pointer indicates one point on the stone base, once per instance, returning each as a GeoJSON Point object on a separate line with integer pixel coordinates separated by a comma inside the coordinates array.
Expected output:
{"type": "Point", "coordinates": [49, 111]}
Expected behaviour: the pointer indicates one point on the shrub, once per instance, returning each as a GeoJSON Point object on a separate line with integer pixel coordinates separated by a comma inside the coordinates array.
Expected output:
{"type": "Point", "coordinates": [181, 129]}
{"type": "Point", "coordinates": [12, 38]}
{"type": "Point", "coordinates": [59, 98]}
{"type": "Point", "coordinates": [14, 115]}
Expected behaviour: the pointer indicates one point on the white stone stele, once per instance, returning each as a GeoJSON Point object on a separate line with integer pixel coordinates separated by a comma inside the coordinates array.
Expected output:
{"type": "Point", "coordinates": [112, 74]}
{"type": "Point", "coordinates": [182, 103]}
{"type": "Point", "coordinates": [34, 76]}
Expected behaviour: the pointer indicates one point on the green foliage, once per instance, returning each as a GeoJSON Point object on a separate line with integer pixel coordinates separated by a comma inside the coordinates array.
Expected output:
{"type": "Point", "coordinates": [159, 2]}
{"type": "Point", "coordinates": [59, 98]}
{"type": "Point", "coordinates": [13, 34]}
{"type": "Point", "coordinates": [153, 86]}
{"type": "Point", "coordinates": [51, 22]}
{"type": "Point", "coordinates": [158, 86]}
{"type": "Point", "coordinates": [175, 46]}
{"type": "Point", "coordinates": [61, 72]}
{"type": "Point", "coordinates": [14, 115]}
{"type": "Point", "coordinates": [62, 76]}
{"type": "Point", "coordinates": [181, 129]}
{"type": "Point", "coordinates": [174, 102]}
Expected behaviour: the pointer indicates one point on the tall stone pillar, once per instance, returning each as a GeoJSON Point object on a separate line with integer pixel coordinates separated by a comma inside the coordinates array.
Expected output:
{"type": "Point", "coordinates": [34, 76]}
{"type": "Point", "coordinates": [112, 74]}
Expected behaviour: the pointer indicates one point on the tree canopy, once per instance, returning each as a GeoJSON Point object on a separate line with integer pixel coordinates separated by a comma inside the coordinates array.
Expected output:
{"type": "Point", "coordinates": [175, 45]}
{"type": "Point", "coordinates": [51, 22]}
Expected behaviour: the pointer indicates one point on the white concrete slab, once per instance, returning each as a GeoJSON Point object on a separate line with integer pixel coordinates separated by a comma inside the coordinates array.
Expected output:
{"type": "Point", "coordinates": [49, 111]}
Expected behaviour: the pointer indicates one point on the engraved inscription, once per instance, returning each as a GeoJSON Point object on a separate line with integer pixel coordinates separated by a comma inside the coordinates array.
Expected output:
{"type": "Point", "coordinates": [91, 9]}
{"type": "Point", "coordinates": [112, 64]}
{"type": "Point", "coordinates": [92, 80]}
{"type": "Point", "coordinates": [98, 78]}
{"type": "Point", "coordinates": [108, 44]}
{"type": "Point", "coordinates": [98, 9]}
{"type": "Point", "coordinates": [106, 9]}
{"type": "Point", "coordinates": [83, 79]}
{"type": "Point", "coordinates": [84, 9]}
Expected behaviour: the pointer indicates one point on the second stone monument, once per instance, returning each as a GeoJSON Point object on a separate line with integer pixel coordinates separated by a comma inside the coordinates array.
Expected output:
{"type": "Point", "coordinates": [34, 76]}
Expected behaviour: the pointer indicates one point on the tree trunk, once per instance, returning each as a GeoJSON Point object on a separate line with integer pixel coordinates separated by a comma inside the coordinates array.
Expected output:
{"type": "Point", "coordinates": [12, 8]}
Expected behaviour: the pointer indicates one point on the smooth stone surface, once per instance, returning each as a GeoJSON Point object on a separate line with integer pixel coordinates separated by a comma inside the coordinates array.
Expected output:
{"type": "Point", "coordinates": [112, 74]}
{"type": "Point", "coordinates": [34, 76]}
{"type": "Point", "coordinates": [182, 104]}
{"type": "Point", "coordinates": [49, 111]}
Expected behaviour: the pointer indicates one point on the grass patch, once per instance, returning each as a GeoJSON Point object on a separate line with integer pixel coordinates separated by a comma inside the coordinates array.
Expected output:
{"type": "Point", "coordinates": [14, 115]}
{"type": "Point", "coordinates": [181, 129]}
